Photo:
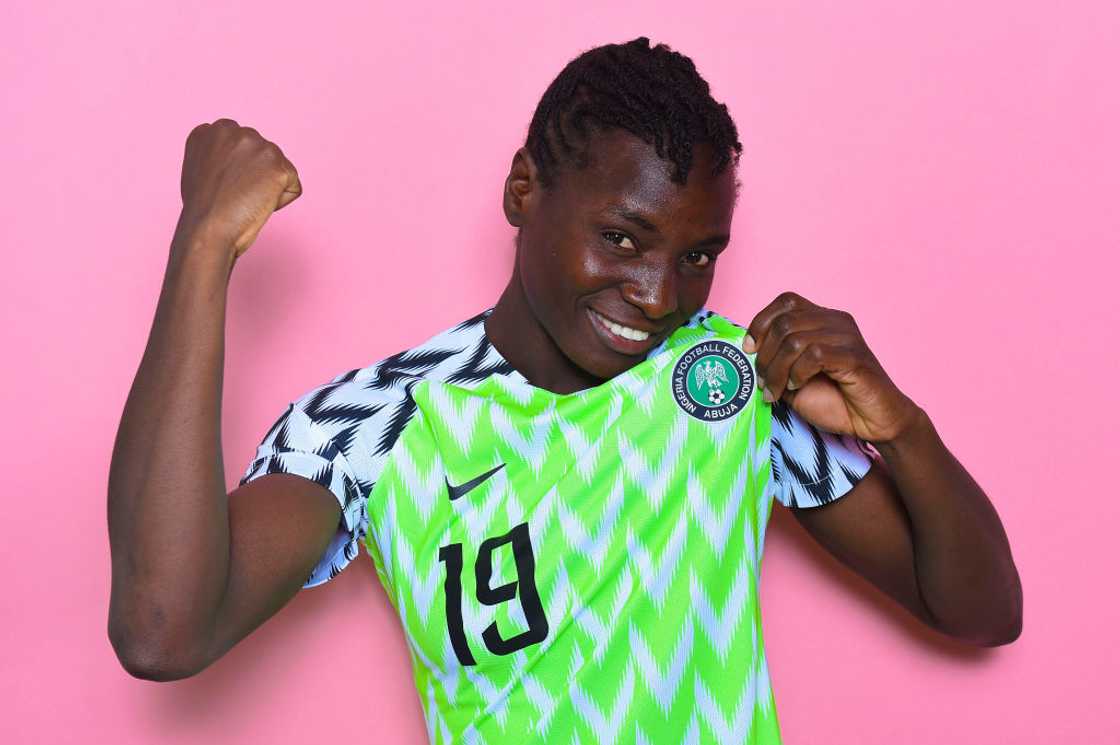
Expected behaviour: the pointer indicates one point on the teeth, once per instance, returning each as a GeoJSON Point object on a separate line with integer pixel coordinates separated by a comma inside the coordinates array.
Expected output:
{"type": "Point", "coordinates": [624, 331]}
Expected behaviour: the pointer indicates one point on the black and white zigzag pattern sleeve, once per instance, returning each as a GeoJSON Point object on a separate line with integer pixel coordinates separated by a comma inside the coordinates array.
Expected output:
{"type": "Point", "coordinates": [341, 434]}
{"type": "Point", "coordinates": [295, 444]}
{"type": "Point", "coordinates": [812, 467]}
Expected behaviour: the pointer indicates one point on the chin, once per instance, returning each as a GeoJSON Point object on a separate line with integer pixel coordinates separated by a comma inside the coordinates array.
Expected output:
{"type": "Point", "coordinates": [606, 371]}
{"type": "Point", "coordinates": [599, 362]}
{"type": "Point", "coordinates": [590, 350]}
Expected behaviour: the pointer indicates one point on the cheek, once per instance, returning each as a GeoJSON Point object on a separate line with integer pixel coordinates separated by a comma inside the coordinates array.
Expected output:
{"type": "Point", "coordinates": [539, 273]}
{"type": "Point", "coordinates": [563, 269]}
{"type": "Point", "coordinates": [693, 293]}
{"type": "Point", "coordinates": [544, 282]}
{"type": "Point", "coordinates": [595, 269]}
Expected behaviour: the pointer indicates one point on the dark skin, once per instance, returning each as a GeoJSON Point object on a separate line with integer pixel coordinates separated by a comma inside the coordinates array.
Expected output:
{"type": "Point", "coordinates": [195, 570]}
{"type": "Point", "coordinates": [582, 248]}
{"type": "Point", "coordinates": [917, 526]}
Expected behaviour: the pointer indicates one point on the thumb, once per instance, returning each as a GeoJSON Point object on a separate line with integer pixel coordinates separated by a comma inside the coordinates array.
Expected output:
{"type": "Point", "coordinates": [292, 190]}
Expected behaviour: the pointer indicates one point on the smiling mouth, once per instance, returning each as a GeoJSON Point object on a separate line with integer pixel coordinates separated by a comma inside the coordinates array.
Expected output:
{"type": "Point", "coordinates": [619, 330]}
{"type": "Point", "coordinates": [621, 339]}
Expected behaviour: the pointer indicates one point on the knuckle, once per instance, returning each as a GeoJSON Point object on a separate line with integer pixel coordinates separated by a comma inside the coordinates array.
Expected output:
{"type": "Point", "coordinates": [789, 299]}
{"type": "Point", "coordinates": [276, 153]}
{"type": "Point", "coordinates": [270, 154]}
{"type": "Point", "coordinates": [781, 325]}
{"type": "Point", "coordinates": [815, 352]}
{"type": "Point", "coordinates": [796, 343]}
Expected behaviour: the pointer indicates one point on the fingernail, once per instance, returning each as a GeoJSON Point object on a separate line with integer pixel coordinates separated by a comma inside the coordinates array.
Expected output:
{"type": "Point", "coordinates": [748, 343]}
{"type": "Point", "coordinates": [767, 396]}
{"type": "Point", "coordinates": [791, 385]}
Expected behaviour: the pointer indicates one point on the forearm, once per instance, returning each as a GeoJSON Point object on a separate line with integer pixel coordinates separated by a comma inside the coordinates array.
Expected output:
{"type": "Point", "coordinates": [962, 558]}
{"type": "Point", "coordinates": [167, 512]}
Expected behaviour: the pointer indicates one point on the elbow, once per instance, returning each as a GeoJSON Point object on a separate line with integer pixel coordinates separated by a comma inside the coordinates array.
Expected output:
{"type": "Point", "coordinates": [998, 623]}
{"type": "Point", "coordinates": [987, 636]}
{"type": "Point", "coordinates": [1014, 626]}
{"type": "Point", "coordinates": [1010, 625]}
{"type": "Point", "coordinates": [1001, 638]}
{"type": "Point", "coordinates": [149, 657]}
{"type": "Point", "coordinates": [155, 666]}
{"type": "Point", "coordinates": [1008, 634]}
{"type": "Point", "coordinates": [1004, 638]}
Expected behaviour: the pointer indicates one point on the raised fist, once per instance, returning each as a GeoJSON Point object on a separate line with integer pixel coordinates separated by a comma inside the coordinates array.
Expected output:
{"type": "Point", "coordinates": [233, 179]}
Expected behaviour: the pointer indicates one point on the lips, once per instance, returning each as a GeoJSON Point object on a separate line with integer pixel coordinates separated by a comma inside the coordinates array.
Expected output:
{"type": "Point", "coordinates": [621, 338]}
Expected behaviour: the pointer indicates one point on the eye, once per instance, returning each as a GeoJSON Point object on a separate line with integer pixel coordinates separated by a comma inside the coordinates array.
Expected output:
{"type": "Point", "coordinates": [616, 238]}
{"type": "Point", "coordinates": [699, 258]}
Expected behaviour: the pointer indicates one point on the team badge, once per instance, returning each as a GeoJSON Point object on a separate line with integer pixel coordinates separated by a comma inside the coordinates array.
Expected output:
{"type": "Point", "coordinates": [713, 380]}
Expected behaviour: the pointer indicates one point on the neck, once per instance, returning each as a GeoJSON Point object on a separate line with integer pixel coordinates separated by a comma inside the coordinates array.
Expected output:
{"type": "Point", "coordinates": [518, 336]}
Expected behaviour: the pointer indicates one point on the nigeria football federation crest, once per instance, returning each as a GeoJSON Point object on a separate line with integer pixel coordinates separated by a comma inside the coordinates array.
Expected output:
{"type": "Point", "coordinates": [713, 380]}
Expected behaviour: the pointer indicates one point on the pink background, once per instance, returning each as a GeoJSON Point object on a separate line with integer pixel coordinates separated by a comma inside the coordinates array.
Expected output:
{"type": "Point", "coordinates": [948, 174]}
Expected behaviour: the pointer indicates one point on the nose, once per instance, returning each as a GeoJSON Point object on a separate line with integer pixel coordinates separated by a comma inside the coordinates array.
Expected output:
{"type": "Point", "coordinates": [653, 289]}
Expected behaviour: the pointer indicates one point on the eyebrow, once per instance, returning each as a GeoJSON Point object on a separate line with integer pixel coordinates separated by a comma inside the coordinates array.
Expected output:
{"type": "Point", "coordinates": [641, 221]}
{"type": "Point", "coordinates": [635, 217]}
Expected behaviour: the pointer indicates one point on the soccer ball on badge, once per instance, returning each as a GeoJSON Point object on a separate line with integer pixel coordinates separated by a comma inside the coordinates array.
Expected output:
{"type": "Point", "coordinates": [715, 395]}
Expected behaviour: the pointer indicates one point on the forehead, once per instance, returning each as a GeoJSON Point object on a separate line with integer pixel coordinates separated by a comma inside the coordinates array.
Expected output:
{"type": "Point", "coordinates": [624, 171]}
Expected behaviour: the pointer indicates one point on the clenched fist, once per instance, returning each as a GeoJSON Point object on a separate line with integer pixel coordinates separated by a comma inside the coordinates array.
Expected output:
{"type": "Point", "coordinates": [233, 180]}
{"type": "Point", "coordinates": [816, 360]}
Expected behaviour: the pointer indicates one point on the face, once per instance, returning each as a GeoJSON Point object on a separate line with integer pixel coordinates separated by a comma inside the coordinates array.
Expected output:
{"type": "Point", "coordinates": [616, 256]}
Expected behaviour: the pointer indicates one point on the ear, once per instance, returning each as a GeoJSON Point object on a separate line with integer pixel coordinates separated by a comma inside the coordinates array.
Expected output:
{"type": "Point", "coordinates": [521, 188]}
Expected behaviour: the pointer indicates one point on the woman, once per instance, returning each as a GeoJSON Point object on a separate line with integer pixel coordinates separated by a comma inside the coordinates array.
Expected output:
{"type": "Point", "coordinates": [565, 496]}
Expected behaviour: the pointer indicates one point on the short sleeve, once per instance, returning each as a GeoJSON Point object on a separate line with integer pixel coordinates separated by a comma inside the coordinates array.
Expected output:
{"type": "Point", "coordinates": [296, 445]}
{"type": "Point", "coordinates": [812, 467]}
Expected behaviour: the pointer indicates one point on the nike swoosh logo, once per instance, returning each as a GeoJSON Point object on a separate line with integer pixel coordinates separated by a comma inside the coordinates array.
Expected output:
{"type": "Point", "coordinates": [454, 492]}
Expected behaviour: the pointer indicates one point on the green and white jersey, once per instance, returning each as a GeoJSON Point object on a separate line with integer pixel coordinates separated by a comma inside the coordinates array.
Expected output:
{"type": "Point", "coordinates": [578, 568]}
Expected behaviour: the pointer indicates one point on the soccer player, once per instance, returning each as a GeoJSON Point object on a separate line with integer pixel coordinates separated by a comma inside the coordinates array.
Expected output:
{"type": "Point", "coordinates": [565, 496]}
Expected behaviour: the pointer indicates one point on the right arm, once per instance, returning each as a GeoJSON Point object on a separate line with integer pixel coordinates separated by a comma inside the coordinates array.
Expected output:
{"type": "Point", "coordinates": [195, 570]}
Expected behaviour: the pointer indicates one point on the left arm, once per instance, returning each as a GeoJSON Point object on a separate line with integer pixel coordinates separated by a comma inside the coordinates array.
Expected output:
{"type": "Point", "coordinates": [917, 526]}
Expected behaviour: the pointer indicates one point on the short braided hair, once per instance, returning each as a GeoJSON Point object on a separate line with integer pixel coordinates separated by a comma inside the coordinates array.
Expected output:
{"type": "Point", "coordinates": [654, 93]}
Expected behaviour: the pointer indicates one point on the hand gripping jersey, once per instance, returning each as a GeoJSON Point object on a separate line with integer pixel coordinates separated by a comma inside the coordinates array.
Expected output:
{"type": "Point", "coordinates": [578, 568]}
